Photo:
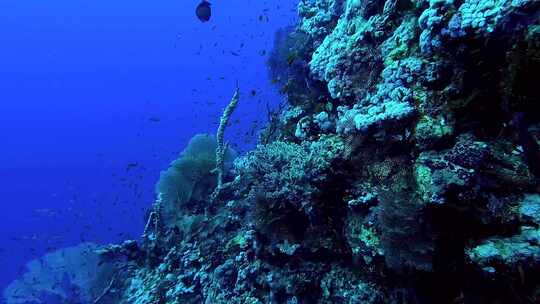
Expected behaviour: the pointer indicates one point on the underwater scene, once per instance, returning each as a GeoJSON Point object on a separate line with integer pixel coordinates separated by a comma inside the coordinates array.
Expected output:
{"type": "Point", "coordinates": [270, 151]}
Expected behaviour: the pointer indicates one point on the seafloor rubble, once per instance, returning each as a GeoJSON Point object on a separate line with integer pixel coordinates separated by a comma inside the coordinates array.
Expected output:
{"type": "Point", "coordinates": [405, 169]}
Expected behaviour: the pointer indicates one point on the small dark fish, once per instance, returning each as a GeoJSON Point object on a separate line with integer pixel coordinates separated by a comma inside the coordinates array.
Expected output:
{"type": "Point", "coordinates": [284, 89]}
{"type": "Point", "coordinates": [234, 53]}
{"type": "Point", "coordinates": [46, 212]}
{"type": "Point", "coordinates": [154, 119]}
{"type": "Point", "coordinates": [291, 58]}
{"type": "Point", "coordinates": [131, 166]}
{"type": "Point", "coordinates": [203, 11]}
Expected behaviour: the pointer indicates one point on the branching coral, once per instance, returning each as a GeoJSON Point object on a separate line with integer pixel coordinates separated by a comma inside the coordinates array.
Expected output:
{"type": "Point", "coordinates": [221, 147]}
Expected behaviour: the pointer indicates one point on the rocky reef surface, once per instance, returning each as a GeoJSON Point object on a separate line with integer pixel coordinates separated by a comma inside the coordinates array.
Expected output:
{"type": "Point", "coordinates": [404, 169]}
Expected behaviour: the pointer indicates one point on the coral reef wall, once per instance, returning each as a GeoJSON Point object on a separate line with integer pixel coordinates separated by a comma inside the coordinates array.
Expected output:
{"type": "Point", "coordinates": [405, 168]}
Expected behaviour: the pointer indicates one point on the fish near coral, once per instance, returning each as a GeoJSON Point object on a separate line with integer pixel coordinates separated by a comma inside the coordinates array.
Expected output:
{"type": "Point", "coordinates": [203, 11]}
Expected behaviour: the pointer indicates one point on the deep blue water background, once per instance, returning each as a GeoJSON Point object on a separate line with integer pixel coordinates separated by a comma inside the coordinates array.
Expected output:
{"type": "Point", "coordinates": [82, 84]}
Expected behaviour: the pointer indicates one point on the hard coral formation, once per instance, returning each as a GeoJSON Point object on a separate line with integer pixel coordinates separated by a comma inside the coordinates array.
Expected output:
{"type": "Point", "coordinates": [319, 17]}
{"type": "Point", "coordinates": [404, 170]}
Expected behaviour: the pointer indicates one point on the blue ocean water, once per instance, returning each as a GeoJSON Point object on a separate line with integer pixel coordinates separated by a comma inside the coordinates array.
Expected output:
{"type": "Point", "coordinates": [96, 97]}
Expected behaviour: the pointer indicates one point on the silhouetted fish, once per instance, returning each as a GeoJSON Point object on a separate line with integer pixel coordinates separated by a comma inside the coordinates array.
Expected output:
{"type": "Point", "coordinates": [203, 11]}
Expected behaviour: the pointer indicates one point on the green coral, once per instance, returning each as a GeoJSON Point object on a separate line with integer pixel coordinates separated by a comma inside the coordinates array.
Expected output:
{"type": "Point", "coordinates": [369, 236]}
{"type": "Point", "coordinates": [522, 247]}
{"type": "Point", "coordinates": [239, 241]}
{"type": "Point", "coordinates": [431, 130]}
{"type": "Point", "coordinates": [401, 43]}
